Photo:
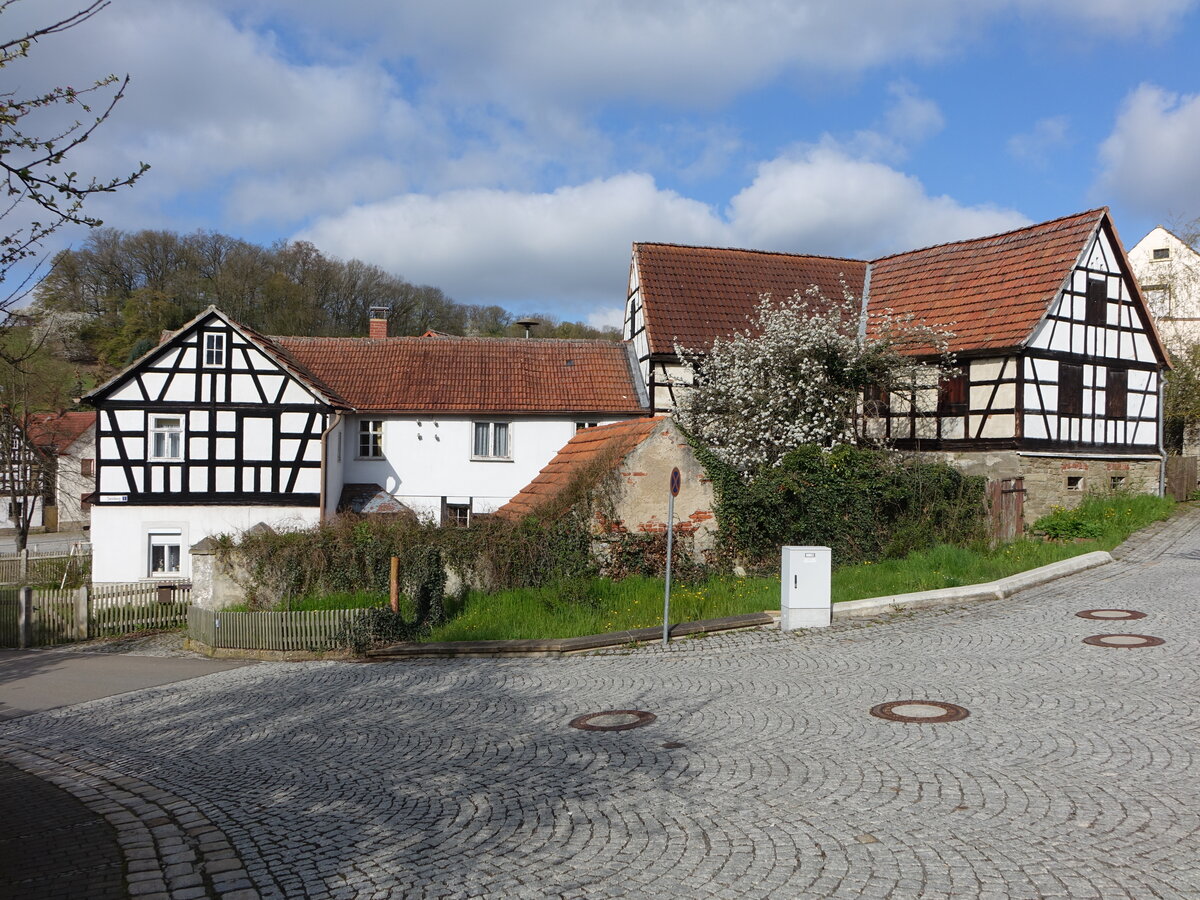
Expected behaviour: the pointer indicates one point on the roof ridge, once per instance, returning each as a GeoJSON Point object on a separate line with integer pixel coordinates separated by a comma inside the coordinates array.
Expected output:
{"type": "Point", "coordinates": [399, 338]}
{"type": "Point", "coordinates": [748, 250]}
{"type": "Point", "coordinates": [999, 234]}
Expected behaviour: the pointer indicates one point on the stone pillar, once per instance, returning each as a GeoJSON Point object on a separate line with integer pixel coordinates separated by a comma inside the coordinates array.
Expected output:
{"type": "Point", "coordinates": [83, 610]}
{"type": "Point", "coordinates": [25, 618]}
{"type": "Point", "coordinates": [212, 585]}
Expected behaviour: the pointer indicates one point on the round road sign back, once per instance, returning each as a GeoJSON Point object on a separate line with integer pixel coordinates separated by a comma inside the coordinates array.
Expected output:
{"type": "Point", "coordinates": [675, 482]}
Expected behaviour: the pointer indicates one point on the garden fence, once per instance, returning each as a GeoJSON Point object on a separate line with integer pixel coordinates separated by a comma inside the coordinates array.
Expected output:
{"type": "Point", "coordinates": [34, 617]}
{"type": "Point", "coordinates": [311, 631]}
{"type": "Point", "coordinates": [28, 567]}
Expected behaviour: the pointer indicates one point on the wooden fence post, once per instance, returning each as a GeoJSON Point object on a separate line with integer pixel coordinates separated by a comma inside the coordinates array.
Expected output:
{"type": "Point", "coordinates": [83, 613]}
{"type": "Point", "coordinates": [25, 618]}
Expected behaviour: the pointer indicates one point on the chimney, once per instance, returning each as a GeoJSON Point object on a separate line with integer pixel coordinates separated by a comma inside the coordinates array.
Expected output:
{"type": "Point", "coordinates": [379, 319]}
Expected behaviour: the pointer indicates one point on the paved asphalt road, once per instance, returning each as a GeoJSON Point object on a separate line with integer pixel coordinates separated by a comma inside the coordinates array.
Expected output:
{"type": "Point", "coordinates": [763, 775]}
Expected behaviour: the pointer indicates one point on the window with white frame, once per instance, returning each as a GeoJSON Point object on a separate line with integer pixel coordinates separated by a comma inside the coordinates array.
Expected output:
{"type": "Point", "coordinates": [164, 553]}
{"type": "Point", "coordinates": [370, 439]}
{"type": "Point", "coordinates": [166, 437]}
{"type": "Point", "coordinates": [491, 441]}
{"type": "Point", "coordinates": [580, 426]}
{"type": "Point", "coordinates": [214, 348]}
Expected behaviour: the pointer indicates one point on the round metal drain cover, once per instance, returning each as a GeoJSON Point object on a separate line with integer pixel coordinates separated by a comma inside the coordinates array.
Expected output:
{"type": "Point", "coordinates": [931, 711]}
{"type": "Point", "coordinates": [1111, 614]}
{"type": "Point", "coordinates": [1122, 641]}
{"type": "Point", "coordinates": [613, 720]}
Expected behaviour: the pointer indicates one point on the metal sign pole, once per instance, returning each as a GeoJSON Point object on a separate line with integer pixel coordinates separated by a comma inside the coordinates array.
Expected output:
{"type": "Point", "coordinates": [675, 482]}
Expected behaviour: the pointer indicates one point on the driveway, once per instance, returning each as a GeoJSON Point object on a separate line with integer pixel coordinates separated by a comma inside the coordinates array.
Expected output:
{"type": "Point", "coordinates": [764, 773]}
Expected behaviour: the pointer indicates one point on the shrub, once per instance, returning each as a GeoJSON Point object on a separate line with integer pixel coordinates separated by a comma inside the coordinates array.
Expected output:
{"type": "Point", "coordinates": [864, 504]}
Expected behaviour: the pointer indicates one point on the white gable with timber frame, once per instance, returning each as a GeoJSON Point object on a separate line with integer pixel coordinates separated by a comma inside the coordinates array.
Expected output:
{"type": "Point", "coordinates": [1091, 369]}
{"type": "Point", "coordinates": [212, 416]}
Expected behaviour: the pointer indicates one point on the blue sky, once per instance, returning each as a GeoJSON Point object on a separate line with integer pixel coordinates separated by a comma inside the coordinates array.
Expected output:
{"type": "Point", "coordinates": [512, 151]}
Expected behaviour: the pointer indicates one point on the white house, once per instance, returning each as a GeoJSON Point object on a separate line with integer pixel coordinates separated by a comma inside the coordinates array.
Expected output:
{"type": "Point", "coordinates": [1168, 270]}
{"type": "Point", "coordinates": [68, 441]}
{"type": "Point", "coordinates": [220, 428]}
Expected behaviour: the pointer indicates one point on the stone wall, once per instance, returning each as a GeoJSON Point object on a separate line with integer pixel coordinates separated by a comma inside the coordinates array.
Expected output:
{"type": "Point", "coordinates": [638, 492]}
{"type": "Point", "coordinates": [1058, 480]}
{"type": "Point", "coordinates": [213, 584]}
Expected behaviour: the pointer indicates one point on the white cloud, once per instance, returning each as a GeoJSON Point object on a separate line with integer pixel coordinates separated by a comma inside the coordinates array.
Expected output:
{"type": "Point", "coordinates": [1149, 159]}
{"type": "Point", "coordinates": [1046, 136]}
{"type": "Point", "coordinates": [689, 53]}
{"type": "Point", "coordinates": [571, 246]}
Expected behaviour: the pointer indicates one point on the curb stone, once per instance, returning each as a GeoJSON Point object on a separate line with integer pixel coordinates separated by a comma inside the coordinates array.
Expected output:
{"type": "Point", "coordinates": [989, 590]}
{"type": "Point", "coordinates": [170, 848]}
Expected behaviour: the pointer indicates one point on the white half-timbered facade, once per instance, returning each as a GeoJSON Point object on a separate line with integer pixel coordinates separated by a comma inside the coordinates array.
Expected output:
{"type": "Point", "coordinates": [220, 429]}
{"type": "Point", "coordinates": [1059, 363]}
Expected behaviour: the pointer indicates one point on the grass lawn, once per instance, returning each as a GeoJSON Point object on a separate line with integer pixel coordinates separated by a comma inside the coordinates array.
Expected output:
{"type": "Point", "coordinates": [600, 605]}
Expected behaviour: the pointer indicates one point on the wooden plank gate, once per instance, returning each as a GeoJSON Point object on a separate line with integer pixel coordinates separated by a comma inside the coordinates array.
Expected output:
{"type": "Point", "coordinates": [1181, 476]}
{"type": "Point", "coordinates": [1006, 509]}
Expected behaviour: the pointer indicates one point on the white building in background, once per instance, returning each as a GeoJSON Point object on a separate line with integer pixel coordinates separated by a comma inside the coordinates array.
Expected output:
{"type": "Point", "coordinates": [1168, 271]}
{"type": "Point", "coordinates": [220, 428]}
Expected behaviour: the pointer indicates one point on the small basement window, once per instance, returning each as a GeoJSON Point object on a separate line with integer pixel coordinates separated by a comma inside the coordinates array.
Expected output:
{"type": "Point", "coordinates": [1116, 482]}
{"type": "Point", "coordinates": [1074, 482]}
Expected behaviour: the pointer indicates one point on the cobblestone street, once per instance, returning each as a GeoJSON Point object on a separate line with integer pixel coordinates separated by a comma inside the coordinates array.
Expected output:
{"type": "Point", "coordinates": [763, 775]}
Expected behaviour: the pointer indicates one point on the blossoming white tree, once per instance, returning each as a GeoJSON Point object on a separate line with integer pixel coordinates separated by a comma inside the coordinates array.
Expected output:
{"type": "Point", "coordinates": [798, 374]}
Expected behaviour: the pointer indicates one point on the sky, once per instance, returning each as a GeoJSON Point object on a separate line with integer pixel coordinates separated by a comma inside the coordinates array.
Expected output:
{"type": "Point", "coordinates": [511, 151]}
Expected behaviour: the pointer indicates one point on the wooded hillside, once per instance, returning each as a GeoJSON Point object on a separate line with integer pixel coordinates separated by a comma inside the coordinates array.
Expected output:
{"type": "Point", "coordinates": [108, 301]}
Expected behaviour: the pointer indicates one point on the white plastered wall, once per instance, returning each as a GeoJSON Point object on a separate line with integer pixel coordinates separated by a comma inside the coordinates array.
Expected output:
{"type": "Point", "coordinates": [121, 534]}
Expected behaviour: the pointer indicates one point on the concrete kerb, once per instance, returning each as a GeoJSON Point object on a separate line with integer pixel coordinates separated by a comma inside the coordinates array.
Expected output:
{"type": "Point", "coordinates": [991, 590]}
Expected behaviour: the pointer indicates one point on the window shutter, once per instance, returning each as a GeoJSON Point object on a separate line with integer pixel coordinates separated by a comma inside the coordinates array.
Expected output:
{"type": "Point", "coordinates": [1070, 390]}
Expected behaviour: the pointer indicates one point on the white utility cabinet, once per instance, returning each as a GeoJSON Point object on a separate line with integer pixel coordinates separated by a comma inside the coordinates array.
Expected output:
{"type": "Point", "coordinates": [805, 588]}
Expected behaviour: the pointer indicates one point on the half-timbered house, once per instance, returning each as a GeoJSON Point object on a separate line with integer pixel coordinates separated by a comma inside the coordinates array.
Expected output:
{"type": "Point", "coordinates": [1060, 365]}
{"type": "Point", "coordinates": [220, 428]}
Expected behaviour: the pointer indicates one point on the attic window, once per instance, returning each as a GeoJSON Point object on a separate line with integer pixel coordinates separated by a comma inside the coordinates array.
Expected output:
{"type": "Point", "coordinates": [570, 362]}
{"type": "Point", "coordinates": [580, 426]}
{"type": "Point", "coordinates": [214, 349]}
{"type": "Point", "coordinates": [1162, 253]}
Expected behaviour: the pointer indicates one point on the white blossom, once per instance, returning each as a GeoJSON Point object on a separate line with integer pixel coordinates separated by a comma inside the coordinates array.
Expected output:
{"type": "Point", "coordinates": [797, 373]}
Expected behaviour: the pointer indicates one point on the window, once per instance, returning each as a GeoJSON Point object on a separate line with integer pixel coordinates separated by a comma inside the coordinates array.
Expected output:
{"type": "Point", "coordinates": [1116, 393]}
{"type": "Point", "coordinates": [491, 441]}
{"type": "Point", "coordinates": [1116, 482]}
{"type": "Point", "coordinates": [16, 510]}
{"type": "Point", "coordinates": [1074, 482]}
{"type": "Point", "coordinates": [370, 439]}
{"type": "Point", "coordinates": [164, 554]}
{"type": "Point", "coordinates": [952, 396]}
{"type": "Point", "coordinates": [166, 437]}
{"type": "Point", "coordinates": [457, 515]}
{"type": "Point", "coordinates": [87, 468]}
{"type": "Point", "coordinates": [1097, 302]}
{"type": "Point", "coordinates": [579, 426]}
{"type": "Point", "coordinates": [876, 399]}
{"type": "Point", "coordinates": [214, 349]}
{"type": "Point", "coordinates": [1162, 253]}
{"type": "Point", "coordinates": [1070, 390]}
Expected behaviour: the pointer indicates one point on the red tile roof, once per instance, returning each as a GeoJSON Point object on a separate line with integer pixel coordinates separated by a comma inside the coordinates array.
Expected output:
{"type": "Point", "coordinates": [468, 375]}
{"type": "Point", "coordinates": [695, 294]}
{"type": "Point", "coordinates": [58, 431]}
{"type": "Point", "coordinates": [592, 451]}
{"type": "Point", "coordinates": [990, 292]}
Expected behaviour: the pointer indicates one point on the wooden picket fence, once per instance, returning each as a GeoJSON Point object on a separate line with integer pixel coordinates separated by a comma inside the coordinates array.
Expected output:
{"type": "Point", "coordinates": [58, 616]}
{"type": "Point", "coordinates": [28, 567]}
{"type": "Point", "coordinates": [311, 631]}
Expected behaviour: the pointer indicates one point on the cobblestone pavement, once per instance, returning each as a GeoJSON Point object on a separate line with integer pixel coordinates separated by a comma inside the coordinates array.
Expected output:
{"type": "Point", "coordinates": [764, 775]}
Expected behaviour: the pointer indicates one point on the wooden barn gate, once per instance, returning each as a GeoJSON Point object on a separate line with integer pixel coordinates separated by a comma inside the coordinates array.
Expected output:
{"type": "Point", "coordinates": [1006, 509]}
{"type": "Point", "coordinates": [1181, 476]}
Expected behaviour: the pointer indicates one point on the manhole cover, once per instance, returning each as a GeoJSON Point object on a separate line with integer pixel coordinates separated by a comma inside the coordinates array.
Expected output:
{"type": "Point", "coordinates": [919, 711]}
{"type": "Point", "coordinates": [1123, 640]}
{"type": "Point", "coordinates": [1111, 614]}
{"type": "Point", "coordinates": [613, 720]}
